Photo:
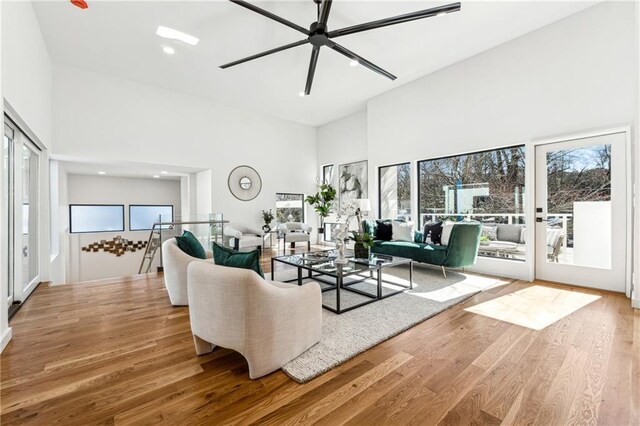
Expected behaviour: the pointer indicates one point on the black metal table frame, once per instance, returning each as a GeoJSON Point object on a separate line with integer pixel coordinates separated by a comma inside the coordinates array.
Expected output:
{"type": "Point", "coordinates": [339, 282]}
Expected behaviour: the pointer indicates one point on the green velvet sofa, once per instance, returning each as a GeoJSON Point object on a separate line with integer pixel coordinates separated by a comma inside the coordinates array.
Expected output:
{"type": "Point", "coordinates": [461, 250]}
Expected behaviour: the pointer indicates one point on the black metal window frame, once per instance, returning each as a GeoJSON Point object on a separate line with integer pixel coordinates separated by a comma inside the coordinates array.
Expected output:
{"type": "Point", "coordinates": [380, 184]}
{"type": "Point", "coordinates": [444, 157]}
{"type": "Point", "coordinates": [95, 205]}
{"type": "Point", "coordinates": [324, 172]}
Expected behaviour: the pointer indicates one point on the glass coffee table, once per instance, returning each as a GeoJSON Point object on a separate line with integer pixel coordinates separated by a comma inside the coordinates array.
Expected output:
{"type": "Point", "coordinates": [321, 266]}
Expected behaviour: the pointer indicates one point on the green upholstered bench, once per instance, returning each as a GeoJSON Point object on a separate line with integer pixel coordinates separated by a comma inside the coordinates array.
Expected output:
{"type": "Point", "coordinates": [461, 250]}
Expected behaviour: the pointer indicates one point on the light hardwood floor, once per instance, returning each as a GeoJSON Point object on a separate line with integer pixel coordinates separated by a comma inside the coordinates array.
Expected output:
{"type": "Point", "coordinates": [116, 352]}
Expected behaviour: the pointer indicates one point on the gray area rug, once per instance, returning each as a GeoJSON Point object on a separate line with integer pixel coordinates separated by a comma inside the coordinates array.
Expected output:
{"type": "Point", "coordinates": [348, 334]}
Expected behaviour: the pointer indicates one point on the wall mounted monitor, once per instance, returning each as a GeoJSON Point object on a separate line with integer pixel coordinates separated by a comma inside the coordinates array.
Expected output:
{"type": "Point", "coordinates": [85, 218]}
{"type": "Point", "coordinates": [142, 217]}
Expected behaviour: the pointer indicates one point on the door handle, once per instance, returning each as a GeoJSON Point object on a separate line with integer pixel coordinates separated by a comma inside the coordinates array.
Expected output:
{"type": "Point", "coordinates": [25, 251]}
{"type": "Point", "coordinates": [539, 219]}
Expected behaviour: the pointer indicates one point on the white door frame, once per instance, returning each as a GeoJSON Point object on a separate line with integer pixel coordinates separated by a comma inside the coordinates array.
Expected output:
{"type": "Point", "coordinates": [531, 165]}
{"type": "Point", "coordinates": [43, 203]}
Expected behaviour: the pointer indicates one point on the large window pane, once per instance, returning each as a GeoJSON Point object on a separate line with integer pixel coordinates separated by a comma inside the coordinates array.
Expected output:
{"type": "Point", "coordinates": [395, 191]}
{"type": "Point", "coordinates": [487, 187]}
{"type": "Point", "coordinates": [579, 206]}
{"type": "Point", "coordinates": [142, 217]}
{"type": "Point", "coordinates": [96, 218]}
{"type": "Point", "coordinates": [327, 174]}
{"type": "Point", "coordinates": [289, 207]}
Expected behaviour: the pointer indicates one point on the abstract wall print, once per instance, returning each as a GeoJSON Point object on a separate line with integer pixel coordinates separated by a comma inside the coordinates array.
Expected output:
{"type": "Point", "coordinates": [353, 182]}
{"type": "Point", "coordinates": [117, 246]}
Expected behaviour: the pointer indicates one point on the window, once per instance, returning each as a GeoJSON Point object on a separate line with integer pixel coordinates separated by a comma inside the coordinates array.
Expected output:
{"type": "Point", "coordinates": [327, 174]}
{"type": "Point", "coordinates": [96, 218]}
{"type": "Point", "coordinates": [394, 184]}
{"type": "Point", "coordinates": [289, 207]}
{"type": "Point", "coordinates": [484, 186]}
{"type": "Point", "coordinates": [142, 217]}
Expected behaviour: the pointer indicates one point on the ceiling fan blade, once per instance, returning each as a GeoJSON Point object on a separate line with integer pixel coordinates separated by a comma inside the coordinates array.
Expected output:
{"type": "Point", "coordinates": [362, 61]}
{"type": "Point", "coordinates": [312, 69]}
{"type": "Point", "coordinates": [265, 53]}
{"type": "Point", "coordinates": [324, 12]}
{"type": "Point", "coordinates": [453, 7]}
{"type": "Point", "coordinates": [270, 16]}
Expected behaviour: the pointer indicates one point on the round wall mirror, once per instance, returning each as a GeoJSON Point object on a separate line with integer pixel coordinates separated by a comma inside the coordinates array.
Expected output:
{"type": "Point", "coordinates": [245, 183]}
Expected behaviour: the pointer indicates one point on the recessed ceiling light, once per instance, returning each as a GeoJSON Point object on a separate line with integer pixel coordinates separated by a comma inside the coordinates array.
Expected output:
{"type": "Point", "coordinates": [156, 176]}
{"type": "Point", "coordinates": [354, 63]}
{"type": "Point", "coordinates": [102, 173]}
{"type": "Point", "coordinates": [164, 172]}
{"type": "Point", "coordinates": [172, 34]}
{"type": "Point", "coordinates": [169, 50]}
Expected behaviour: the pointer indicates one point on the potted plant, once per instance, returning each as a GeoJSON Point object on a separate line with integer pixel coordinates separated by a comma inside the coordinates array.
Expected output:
{"type": "Point", "coordinates": [267, 217]}
{"type": "Point", "coordinates": [321, 202]}
{"type": "Point", "coordinates": [362, 244]}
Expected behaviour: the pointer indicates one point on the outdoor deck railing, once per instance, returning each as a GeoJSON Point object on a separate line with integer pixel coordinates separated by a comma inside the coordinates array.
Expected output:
{"type": "Point", "coordinates": [508, 218]}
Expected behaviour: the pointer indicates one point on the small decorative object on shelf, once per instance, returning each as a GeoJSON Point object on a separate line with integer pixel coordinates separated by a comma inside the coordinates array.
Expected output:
{"type": "Point", "coordinates": [267, 217]}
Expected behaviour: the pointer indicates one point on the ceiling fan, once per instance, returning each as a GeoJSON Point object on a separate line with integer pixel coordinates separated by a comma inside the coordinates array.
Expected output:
{"type": "Point", "coordinates": [318, 35]}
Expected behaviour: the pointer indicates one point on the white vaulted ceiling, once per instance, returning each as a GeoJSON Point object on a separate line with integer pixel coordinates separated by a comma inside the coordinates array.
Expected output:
{"type": "Point", "coordinates": [118, 38]}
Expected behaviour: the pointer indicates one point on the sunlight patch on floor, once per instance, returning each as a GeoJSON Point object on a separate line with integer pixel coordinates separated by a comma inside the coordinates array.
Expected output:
{"type": "Point", "coordinates": [535, 307]}
{"type": "Point", "coordinates": [470, 285]}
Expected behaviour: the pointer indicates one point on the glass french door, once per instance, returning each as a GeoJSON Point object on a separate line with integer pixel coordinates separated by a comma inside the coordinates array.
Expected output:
{"type": "Point", "coordinates": [20, 202]}
{"type": "Point", "coordinates": [7, 206]}
{"type": "Point", "coordinates": [581, 212]}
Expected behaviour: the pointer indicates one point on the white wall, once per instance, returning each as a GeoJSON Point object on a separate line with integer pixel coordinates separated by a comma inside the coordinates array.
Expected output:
{"type": "Point", "coordinates": [26, 68]}
{"type": "Point", "coordinates": [636, 246]}
{"type": "Point", "coordinates": [98, 116]}
{"type": "Point", "coordinates": [574, 75]}
{"type": "Point", "coordinates": [5, 330]}
{"type": "Point", "coordinates": [83, 189]}
{"type": "Point", "coordinates": [342, 141]}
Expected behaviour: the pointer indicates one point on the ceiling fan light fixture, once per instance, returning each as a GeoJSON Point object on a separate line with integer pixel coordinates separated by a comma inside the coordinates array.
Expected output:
{"type": "Point", "coordinates": [171, 34]}
{"type": "Point", "coordinates": [318, 35]}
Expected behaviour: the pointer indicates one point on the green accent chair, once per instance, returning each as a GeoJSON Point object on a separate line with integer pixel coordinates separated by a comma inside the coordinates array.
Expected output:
{"type": "Point", "coordinates": [461, 250]}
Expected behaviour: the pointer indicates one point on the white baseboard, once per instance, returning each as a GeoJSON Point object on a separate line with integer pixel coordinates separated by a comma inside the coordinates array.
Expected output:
{"type": "Point", "coordinates": [6, 336]}
{"type": "Point", "coordinates": [635, 300]}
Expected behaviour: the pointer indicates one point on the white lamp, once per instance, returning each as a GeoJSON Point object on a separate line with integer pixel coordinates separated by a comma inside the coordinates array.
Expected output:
{"type": "Point", "coordinates": [363, 204]}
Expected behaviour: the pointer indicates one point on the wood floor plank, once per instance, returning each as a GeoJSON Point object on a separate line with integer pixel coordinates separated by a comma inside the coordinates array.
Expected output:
{"type": "Point", "coordinates": [116, 352]}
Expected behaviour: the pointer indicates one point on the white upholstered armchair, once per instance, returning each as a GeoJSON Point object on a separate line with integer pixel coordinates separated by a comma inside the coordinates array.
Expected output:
{"type": "Point", "coordinates": [269, 323]}
{"type": "Point", "coordinates": [174, 263]}
{"type": "Point", "coordinates": [239, 237]}
{"type": "Point", "coordinates": [296, 232]}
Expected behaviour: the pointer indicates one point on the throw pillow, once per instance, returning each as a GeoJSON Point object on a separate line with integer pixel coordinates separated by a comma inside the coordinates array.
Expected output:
{"type": "Point", "coordinates": [370, 226]}
{"type": "Point", "coordinates": [509, 233]}
{"type": "Point", "coordinates": [432, 232]}
{"type": "Point", "coordinates": [491, 232]}
{"type": "Point", "coordinates": [385, 230]}
{"type": "Point", "coordinates": [189, 244]}
{"type": "Point", "coordinates": [402, 231]}
{"type": "Point", "coordinates": [225, 256]}
{"type": "Point", "coordinates": [447, 227]}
